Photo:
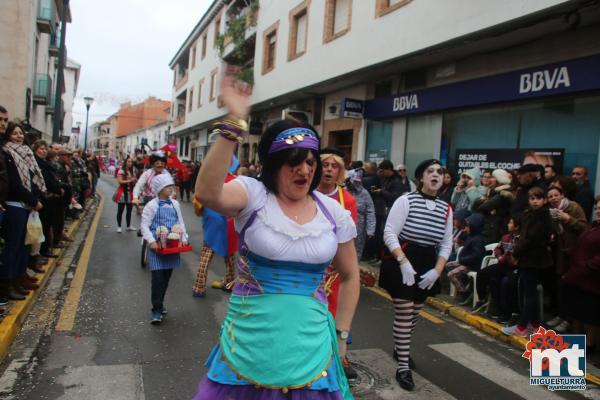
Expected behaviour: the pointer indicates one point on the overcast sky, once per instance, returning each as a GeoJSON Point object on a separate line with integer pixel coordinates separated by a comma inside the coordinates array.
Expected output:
{"type": "Point", "coordinates": [124, 48]}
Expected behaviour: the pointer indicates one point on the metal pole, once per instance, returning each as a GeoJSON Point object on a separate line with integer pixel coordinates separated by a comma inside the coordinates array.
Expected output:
{"type": "Point", "coordinates": [87, 114]}
{"type": "Point", "coordinates": [60, 78]}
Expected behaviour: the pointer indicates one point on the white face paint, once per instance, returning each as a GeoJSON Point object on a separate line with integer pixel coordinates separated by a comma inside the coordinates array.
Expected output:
{"type": "Point", "coordinates": [433, 179]}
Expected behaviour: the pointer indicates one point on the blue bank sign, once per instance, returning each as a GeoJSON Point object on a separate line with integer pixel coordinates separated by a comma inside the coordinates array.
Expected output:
{"type": "Point", "coordinates": [561, 78]}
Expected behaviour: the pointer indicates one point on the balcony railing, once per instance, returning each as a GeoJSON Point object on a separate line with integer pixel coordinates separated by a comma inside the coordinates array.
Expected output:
{"type": "Point", "coordinates": [54, 47]}
{"type": "Point", "coordinates": [42, 91]}
{"type": "Point", "coordinates": [179, 121]}
{"type": "Point", "coordinates": [45, 16]}
{"type": "Point", "coordinates": [181, 82]}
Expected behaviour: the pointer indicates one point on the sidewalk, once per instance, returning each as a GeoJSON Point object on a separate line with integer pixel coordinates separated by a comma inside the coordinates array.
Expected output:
{"type": "Point", "coordinates": [369, 274]}
{"type": "Point", "coordinates": [17, 311]}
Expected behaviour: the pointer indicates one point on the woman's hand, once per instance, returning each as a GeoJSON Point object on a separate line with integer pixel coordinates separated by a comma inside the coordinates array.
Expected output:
{"type": "Point", "coordinates": [235, 93]}
{"type": "Point", "coordinates": [153, 246]}
{"type": "Point", "coordinates": [408, 273]}
{"type": "Point", "coordinates": [38, 206]}
{"type": "Point", "coordinates": [563, 216]}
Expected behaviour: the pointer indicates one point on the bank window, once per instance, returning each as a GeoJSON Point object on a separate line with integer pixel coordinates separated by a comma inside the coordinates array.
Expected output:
{"type": "Point", "coordinates": [191, 98]}
{"type": "Point", "coordinates": [200, 85]}
{"type": "Point", "coordinates": [298, 31]}
{"type": "Point", "coordinates": [204, 40]}
{"type": "Point", "coordinates": [213, 85]}
{"type": "Point", "coordinates": [269, 48]}
{"type": "Point", "coordinates": [384, 7]}
{"type": "Point", "coordinates": [338, 16]}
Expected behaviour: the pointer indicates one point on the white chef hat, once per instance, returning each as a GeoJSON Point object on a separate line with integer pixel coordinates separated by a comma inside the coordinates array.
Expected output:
{"type": "Point", "coordinates": [159, 182]}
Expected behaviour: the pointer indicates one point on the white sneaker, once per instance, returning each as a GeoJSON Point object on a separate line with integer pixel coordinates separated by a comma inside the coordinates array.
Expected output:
{"type": "Point", "coordinates": [119, 230]}
{"type": "Point", "coordinates": [554, 321]}
{"type": "Point", "coordinates": [131, 228]}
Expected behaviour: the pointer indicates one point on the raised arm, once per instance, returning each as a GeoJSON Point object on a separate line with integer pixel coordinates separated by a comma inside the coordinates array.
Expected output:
{"type": "Point", "coordinates": [227, 198]}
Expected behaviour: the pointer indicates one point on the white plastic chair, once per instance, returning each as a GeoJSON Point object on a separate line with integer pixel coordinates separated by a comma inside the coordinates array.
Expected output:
{"type": "Point", "coordinates": [487, 261]}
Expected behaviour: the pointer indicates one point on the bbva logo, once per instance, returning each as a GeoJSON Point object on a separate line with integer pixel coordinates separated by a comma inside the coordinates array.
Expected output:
{"type": "Point", "coordinates": [544, 80]}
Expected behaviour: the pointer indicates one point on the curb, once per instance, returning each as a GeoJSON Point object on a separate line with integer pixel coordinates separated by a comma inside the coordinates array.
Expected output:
{"type": "Point", "coordinates": [480, 323]}
{"type": "Point", "coordinates": [11, 324]}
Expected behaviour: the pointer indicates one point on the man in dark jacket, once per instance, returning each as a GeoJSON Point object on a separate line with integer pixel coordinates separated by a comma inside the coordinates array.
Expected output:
{"type": "Point", "coordinates": [584, 195]}
{"type": "Point", "coordinates": [3, 173]}
{"type": "Point", "coordinates": [528, 179]}
{"type": "Point", "coordinates": [371, 181]}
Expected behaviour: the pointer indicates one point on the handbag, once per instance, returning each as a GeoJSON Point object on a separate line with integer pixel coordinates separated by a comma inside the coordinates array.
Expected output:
{"type": "Point", "coordinates": [35, 232]}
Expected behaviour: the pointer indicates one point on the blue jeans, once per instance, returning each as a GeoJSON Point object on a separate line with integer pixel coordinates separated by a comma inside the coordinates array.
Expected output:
{"type": "Point", "coordinates": [160, 282]}
{"type": "Point", "coordinates": [528, 281]}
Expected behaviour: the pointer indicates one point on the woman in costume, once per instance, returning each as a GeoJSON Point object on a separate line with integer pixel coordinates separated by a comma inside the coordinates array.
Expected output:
{"type": "Point", "coordinates": [418, 234]}
{"type": "Point", "coordinates": [278, 340]}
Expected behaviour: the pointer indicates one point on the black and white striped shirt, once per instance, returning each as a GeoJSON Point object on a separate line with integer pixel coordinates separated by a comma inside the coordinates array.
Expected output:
{"type": "Point", "coordinates": [417, 219]}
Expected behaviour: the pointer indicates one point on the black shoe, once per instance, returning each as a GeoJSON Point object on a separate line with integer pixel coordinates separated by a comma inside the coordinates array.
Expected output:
{"type": "Point", "coordinates": [479, 305]}
{"type": "Point", "coordinates": [350, 373]}
{"type": "Point", "coordinates": [467, 301]}
{"type": "Point", "coordinates": [3, 301]}
{"type": "Point", "coordinates": [411, 363]}
{"type": "Point", "coordinates": [139, 233]}
{"type": "Point", "coordinates": [405, 379]}
{"type": "Point", "coordinates": [49, 255]}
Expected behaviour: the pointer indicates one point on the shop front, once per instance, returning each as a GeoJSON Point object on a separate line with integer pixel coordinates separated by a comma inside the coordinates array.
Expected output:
{"type": "Point", "coordinates": [551, 106]}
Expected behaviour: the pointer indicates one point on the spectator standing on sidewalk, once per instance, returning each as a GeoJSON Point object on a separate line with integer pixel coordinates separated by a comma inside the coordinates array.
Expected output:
{"type": "Point", "coordinates": [93, 167]}
{"type": "Point", "coordinates": [534, 258]}
{"type": "Point", "coordinates": [384, 197]}
{"type": "Point", "coordinates": [582, 284]}
{"type": "Point", "coordinates": [26, 186]}
{"type": "Point", "coordinates": [407, 184]}
{"type": "Point", "coordinates": [584, 195]}
{"type": "Point", "coordinates": [365, 210]}
{"type": "Point", "coordinates": [448, 187]}
{"type": "Point", "coordinates": [467, 190]}
{"type": "Point", "coordinates": [3, 172]}
{"type": "Point", "coordinates": [418, 234]}
{"type": "Point", "coordinates": [549, 174]}
{"type": "Point", "coordinates": [161, 211]}
{"type": "Point", "coordinates": [495, 206]}
{"type": "Point", "coordinates": [527, 180]}
{"type": "Point", "coordinates": [370, 182]}
{"type": "Point", "coordinates": [569, 223]}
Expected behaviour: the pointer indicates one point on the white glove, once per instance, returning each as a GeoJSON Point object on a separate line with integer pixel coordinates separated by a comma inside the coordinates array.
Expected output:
{"type": "Point", "coordinates": [408, 274]}
{"type": "Point", "coordinates": [428, 279]}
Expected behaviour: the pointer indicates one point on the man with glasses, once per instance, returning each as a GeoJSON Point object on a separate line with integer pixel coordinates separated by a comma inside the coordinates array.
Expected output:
{"type": "Point", "coordinates": [407, 184]}
{"type": "Point", "coordinates": [584, 195]}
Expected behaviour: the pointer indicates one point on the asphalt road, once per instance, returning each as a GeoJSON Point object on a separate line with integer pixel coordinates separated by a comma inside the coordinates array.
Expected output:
{"type": "Point", "coordinates": [113, 352]}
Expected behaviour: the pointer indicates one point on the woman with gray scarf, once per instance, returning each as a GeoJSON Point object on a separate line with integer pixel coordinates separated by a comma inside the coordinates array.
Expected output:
{"type": "Point", "coordinates": [365, 224]}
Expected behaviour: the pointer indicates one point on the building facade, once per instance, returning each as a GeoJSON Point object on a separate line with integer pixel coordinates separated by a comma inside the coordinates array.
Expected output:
{"type": "Point", "coordinates": [407, 79]}
{"type": "Point", "coordinates": [28, 75]}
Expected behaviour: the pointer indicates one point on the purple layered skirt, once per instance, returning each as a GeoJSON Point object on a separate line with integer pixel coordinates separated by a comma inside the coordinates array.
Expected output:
{"type": "Point", "coordinates": [209, 390]}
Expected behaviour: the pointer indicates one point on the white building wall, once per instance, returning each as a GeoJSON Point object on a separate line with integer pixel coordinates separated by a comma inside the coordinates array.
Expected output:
{"type": "Point", "coordinates": [71, 81]}
{"type": "Point", "coordinates": [418, 25]}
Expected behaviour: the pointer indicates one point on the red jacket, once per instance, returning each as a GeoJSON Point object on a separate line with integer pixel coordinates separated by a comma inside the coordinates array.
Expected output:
{"type": "Point", "coordinates": [584, 271]}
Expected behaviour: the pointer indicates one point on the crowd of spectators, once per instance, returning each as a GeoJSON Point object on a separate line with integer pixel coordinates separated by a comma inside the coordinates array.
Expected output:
{"type": "Point", "coordinates": [40, 183]}
{"type": "Point", "coordinates": [536, 226]}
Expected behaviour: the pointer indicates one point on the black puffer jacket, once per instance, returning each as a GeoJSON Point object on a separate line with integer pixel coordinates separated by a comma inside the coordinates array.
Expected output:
{"type": "Point", "coordinates": [533, 248]}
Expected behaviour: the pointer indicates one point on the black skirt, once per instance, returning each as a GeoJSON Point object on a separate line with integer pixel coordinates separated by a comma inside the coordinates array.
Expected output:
{"type": "Point", "coordinates": [423, 259]}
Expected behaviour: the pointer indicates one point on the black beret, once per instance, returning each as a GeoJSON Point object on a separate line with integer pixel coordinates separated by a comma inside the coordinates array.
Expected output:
{"type": "Point", "coordinates": [332, 150]}
{"type": "Point", "coordinates": [528, 168]}
{"type": "Point", "coordinates": [423, 166]}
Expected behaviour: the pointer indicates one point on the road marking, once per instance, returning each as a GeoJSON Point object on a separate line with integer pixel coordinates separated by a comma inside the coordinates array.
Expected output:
{"type": "Point", "coordinates": [66, 320]}
{"type": "Point", "coordinates": [376, 371]}
{"type": "Point", "coordinates": [491, 369]}
{"type": "Point", "coordinates": [431, 317]}
{"type": "Point", "coordinates": [424, 314]}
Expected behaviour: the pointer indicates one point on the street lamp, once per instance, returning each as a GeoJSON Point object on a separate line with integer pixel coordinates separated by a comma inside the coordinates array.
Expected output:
{"type": "Point", "coordinates": [88, 102]}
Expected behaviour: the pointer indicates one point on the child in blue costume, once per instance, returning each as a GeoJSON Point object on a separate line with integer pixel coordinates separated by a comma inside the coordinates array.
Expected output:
{"type": "Point", "coordinates": [161, 211]}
